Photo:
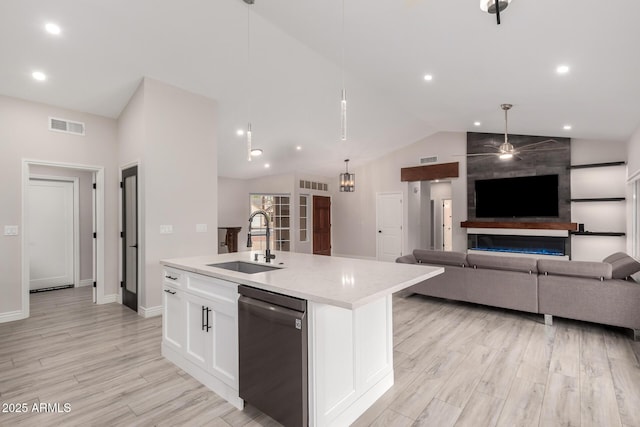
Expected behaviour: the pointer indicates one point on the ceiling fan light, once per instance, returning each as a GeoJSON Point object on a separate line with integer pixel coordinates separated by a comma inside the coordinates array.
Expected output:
{"type": "Point", "coordinates": [505, 156]}
{"type": "Point", "coordinates": [489, 6]}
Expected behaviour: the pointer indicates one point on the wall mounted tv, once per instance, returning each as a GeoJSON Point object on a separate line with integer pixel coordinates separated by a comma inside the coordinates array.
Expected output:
{"type": "Point", "coordinates": [520, 197]}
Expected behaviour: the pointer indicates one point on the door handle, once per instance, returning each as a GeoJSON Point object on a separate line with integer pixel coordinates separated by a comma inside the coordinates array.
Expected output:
{"type": "Point", "coordinates": [170, 291]}
{"type": "Point", "coordinates": [134, 246]}
{"type": "Point", "coordinates": [205, 320]}
{"type": "Point", "coordinates": [379, 231]}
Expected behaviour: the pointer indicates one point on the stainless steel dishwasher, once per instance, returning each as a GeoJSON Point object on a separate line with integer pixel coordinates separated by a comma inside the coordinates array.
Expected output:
{"type": "Point", "coordinates": [273, 354]}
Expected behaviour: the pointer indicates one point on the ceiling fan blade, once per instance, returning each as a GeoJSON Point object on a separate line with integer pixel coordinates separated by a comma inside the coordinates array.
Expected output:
{"type": "Point", "coordinates": [536, 143]}
{"type": "Point", "coordinates": [482, 154]}
{"type": "Point", "coordinates": [542, 149]}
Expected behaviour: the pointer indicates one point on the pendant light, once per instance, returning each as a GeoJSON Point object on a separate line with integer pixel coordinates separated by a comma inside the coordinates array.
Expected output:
{"type": "Point", "coordinates": [249, 132]}
{"type": "Point", "coordinates": [494, 6]}
{"type": "Point", "coordinates": [343, 100]}
{"type": "Point", "coordinates": [347, 180]}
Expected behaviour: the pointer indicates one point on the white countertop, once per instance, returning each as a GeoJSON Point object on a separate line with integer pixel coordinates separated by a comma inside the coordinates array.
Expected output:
{"type": "Point", "coordinates": [343, 282]}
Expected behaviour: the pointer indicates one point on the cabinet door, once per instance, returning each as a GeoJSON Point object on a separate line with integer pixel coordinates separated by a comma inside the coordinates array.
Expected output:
{"type": "Point", "coordinates": [198, 343]}
{"type": "Point", "coordinates": [173, 318]}
{"type": "Point", "coordinates": [224, 351]}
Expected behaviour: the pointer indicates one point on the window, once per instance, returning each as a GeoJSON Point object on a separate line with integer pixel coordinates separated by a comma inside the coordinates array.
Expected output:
{"type": "Point", "coordinates": [304, 216]}
{"type": "Point", "coordinates": [278, 208]}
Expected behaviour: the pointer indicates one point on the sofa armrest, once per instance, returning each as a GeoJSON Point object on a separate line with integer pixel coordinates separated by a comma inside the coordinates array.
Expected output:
{"type": "Point", "coordinates": [407, 259]}
{"type": "Point", "coordinates": [589, 269]}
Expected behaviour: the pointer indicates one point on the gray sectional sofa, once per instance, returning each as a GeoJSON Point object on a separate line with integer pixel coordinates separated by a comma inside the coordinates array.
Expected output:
{"type": "Point", "coordinates": [601, 292]}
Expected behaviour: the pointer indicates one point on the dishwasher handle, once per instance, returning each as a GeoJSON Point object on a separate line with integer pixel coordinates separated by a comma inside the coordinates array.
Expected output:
{"type": "Point", "coordinates": [271, 312]}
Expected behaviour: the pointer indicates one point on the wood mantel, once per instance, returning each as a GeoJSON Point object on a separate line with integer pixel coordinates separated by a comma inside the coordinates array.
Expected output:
{"type": "Point", "coordinates": [570, 226]}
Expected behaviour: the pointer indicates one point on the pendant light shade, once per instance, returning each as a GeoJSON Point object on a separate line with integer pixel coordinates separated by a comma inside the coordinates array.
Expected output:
{"type": "Point", "coordinates": [347, 180]}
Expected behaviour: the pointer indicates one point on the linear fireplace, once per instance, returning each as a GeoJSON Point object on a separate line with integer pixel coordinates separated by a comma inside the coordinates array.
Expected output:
{"type": "Point", "coordinates": [535, 245]}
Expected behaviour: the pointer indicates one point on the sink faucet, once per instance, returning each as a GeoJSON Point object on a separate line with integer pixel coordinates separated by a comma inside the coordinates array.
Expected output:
{"type": "Point", "coordinates": [267, 255]}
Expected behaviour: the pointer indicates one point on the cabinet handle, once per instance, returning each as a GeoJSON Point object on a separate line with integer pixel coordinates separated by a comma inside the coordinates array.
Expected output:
{"type": "Point", "coordinates": [203, 324]}
{"type": "Point", "coordinates": [169, 291]}
{"type": "Point", "coordinates": [171, 277]}
{"type": "Point", "coordinates": [208, 325]}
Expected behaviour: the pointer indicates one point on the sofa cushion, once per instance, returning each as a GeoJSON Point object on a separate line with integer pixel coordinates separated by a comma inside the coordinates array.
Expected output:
{"type": "Point", "coordinates": [406, 259]}
{"type": "Point", "coordinates": [426, 256]}
{"type": "Point", "coordinates": [622, 265]}
{"type": "Point", "coordinates": [509, 263]}
{"type": "Point", "coordinates": [596, 270]}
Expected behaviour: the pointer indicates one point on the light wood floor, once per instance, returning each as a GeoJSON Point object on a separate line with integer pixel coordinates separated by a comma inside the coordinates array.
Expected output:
{"type": "Point", "coordinates": [455, 364]}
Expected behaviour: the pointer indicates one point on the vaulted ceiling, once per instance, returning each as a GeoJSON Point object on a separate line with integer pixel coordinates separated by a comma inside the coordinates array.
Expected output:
{"type": "Point", "coordinates": [291, 91]}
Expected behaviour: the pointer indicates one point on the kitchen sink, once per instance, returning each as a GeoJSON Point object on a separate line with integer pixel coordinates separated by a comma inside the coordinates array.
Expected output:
{"type": "Point", "coordinates": [244, 267]}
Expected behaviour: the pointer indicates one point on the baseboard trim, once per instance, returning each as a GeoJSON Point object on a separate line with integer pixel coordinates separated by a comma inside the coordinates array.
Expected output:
{"type": "Point", "coordinates": [150, 312]}
{"type": "Point", "coordinates": [107, 299]}
{"type": "Point", "coordinates": [11, 316]}
{"type": "Point", "coordinates": [85, 282]}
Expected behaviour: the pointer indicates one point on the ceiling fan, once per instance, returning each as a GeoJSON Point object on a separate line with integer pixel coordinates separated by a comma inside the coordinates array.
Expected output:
{"type": "Point", "coordinates": [506, 150]}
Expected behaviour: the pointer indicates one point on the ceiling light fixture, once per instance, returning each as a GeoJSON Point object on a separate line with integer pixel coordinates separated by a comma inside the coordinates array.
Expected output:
{"type": "Point", "coordinates": [52, 28]}
{"type": "Point", "coordinates": [240, 132]}
{"type": "Point", "coordinates": [39, 75]}
{"type": "Point", "coordinates": [255, 152]}
{"type": "Point", "coordinates": [343, 100]}
{"type": "Point", "coordinates": [249, 132]}
{"type": "Point", "coordinates": [494, 7]}
{"type": "Point", "coordinates": [477, 123]}
{"type": "Point", "coordinates": [347, 180]}
{"type": "Point", "coordinates": [267, 165]}
{"type": "Point", "coordinates": [428, 77]}
{"type": "Point", "coordinates": [566, 127]}
{"type": "Point", "coordinates": [562, 69]}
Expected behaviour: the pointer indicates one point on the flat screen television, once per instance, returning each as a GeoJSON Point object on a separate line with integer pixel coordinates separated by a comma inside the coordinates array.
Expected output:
{"type": "Point", "coordinates": [520, 197]}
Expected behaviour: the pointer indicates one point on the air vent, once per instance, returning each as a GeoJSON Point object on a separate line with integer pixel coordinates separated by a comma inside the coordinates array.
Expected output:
{"type": "Point", "coordinates": [66, 126]}
{"type": "Point", "coordinates": [432, 159]}
{"type": "Point", "coordinates": [310, 185]}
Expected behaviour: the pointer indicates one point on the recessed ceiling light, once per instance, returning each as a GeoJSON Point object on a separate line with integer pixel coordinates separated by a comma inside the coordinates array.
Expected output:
{"type": "Point", "coordinates": [566, 127]}
{"type": "Point", "coordinates": [298, 148]}
{"type": "Point", "coordinates": [256, 152]}
{"type": "Point", "coordinates": [39, 75]}
{"type": "Point", "coordinates": [52, 28]}
{"type": "Point", "coordinates": [477, 123]}
{"type": "Point", "coordinates": [267, 165]}
{"type": "Point", "coordinates": [562, 69]}
{"type": "Point", "coordinates": [240, 132]}
{"type": "Point", "coordinates": [428, 77]}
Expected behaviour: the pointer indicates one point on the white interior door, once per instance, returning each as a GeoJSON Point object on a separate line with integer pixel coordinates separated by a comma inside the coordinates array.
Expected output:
{"type": "Point", "coordinates": [51, 233]}
{"type": "Point", "coordinates": [389, 226]}
{"type": "Point", "coordinates": [447, 225]}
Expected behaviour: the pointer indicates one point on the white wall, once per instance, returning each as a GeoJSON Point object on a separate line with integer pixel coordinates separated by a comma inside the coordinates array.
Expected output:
{"type": "Point", "coordinates": [24, 134]}
{"type": "Point", "coordinates": [354, 214]}
{"type": "Point", "coordinates": [85, 212]}
{"type": "Point", "coordinates": [633, 155]}
{"type": "Point", "coordinates": [172, 133]}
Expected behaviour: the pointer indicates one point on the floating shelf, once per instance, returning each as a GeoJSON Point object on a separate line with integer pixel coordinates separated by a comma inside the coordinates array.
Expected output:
{"type": "Point", "coordinates": [600, 199]}
{"type": "Point", "coordinates": [597, 233]}
{"type": "Point", "coordinates": [596, 165]}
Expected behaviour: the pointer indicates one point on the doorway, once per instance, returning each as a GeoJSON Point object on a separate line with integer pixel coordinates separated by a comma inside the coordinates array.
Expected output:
{"type": "Point", "coordinates": [53, 235]}
{"type": "Point", "coordinates": [389, 219]}
{"type": "Point", "coordinates": [130, 237]}
{"type": "Point", "coordinates": [321, 225]}
{"type": "Point", "coordinates": [447, 225]}
{"type": "Point", "coordinates": [95, 264]}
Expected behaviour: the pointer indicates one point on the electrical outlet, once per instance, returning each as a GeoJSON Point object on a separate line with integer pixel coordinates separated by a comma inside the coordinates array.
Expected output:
{"type": "Point", "coordinates": [166, 229]}
{"type": "Point", "coordinates": [10, 230]}
{"type": "Point", "coordinates": [201, 228]}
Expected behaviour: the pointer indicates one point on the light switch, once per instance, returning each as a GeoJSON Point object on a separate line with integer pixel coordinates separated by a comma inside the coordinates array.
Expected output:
{"type": "Point", "coordinates": [166, 229]}
{"type": "Point", "coordinates": [10, 230]}
{"type": "Point", "coordinates": [201, 228]}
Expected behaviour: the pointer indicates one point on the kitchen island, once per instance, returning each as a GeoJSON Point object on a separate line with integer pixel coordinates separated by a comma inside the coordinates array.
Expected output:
{"type": "Point", "coordinates": [350, 330]}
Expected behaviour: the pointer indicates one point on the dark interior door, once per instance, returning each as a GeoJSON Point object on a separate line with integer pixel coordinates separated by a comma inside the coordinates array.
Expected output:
{"type": "Point", "coordinates": [130, 238]}
{"type": "Point", "coordinates": [321, 225]}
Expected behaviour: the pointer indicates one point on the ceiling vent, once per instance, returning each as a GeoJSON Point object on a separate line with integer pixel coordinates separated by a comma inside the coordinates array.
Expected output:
{"type": "Point", "coordinates": [66, 126]}
{"type": "Point", "coordinates": [432, 159]}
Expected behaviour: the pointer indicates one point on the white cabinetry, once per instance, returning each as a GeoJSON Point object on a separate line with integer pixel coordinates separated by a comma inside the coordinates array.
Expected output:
{"type": "Point", "coordinates": [200, 330]}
